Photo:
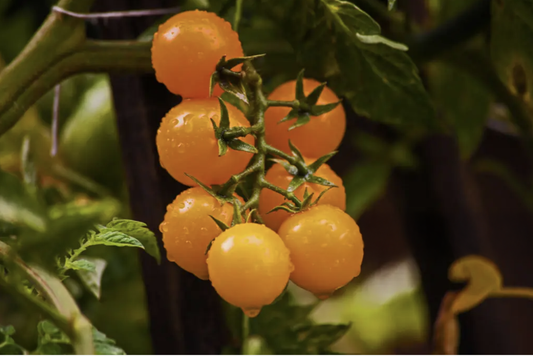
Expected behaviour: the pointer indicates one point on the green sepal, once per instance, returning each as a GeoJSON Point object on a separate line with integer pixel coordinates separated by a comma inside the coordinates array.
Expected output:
{"type": "Point", "coordinates": [303, 118]}
{"type": "Point", "coordinates": [232, 83]}
{"type": "Point", "coordinates": [222, 147]}
{"type": "Point", "coordinates": [209, 246]}
{"type": "Point", "coordinates": [209, 190]}
{"type": "Point", "coordinates": [318, 180]}
{"type": "Point", "coordinates": [222, 225]}
{"type": "Point", "coordinates": [229, 64]}
{"type": "Point", "coordinates": [224, 116]}
{"type": "Point", "coordinates": [291, 115]}
{"type": "Point", "coordinates": [295, 183]}
{"type": "Point", "coordinates": [300, 95]}
{"type": "Point", "coordinates": [288, 167]}
{"type": "Point", "coordinates": [213, 80]}
{"type": "Point", "coordinates": [313, 167]}
{"type": "Point", "coordinates": [317, 110]}
{"type": "Point", "coordinates": [322, 194]}
{"type": "Point", "coordinates": [239, 145]}
{"type": "Point", "coordinates": [295, 151]}
{"type": "Point", "coordinates": [249, 216]}
{"type": "Point", "coordinates": [315, 94]}
{"type": "Point", "coordinates": [308, 200]}
{"type": "Point", "coordinates": [288, 207]}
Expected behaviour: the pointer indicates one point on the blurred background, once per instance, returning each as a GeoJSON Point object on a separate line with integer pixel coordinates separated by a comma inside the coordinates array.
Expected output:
{"type": "Point", "coordinates": [421, 200]}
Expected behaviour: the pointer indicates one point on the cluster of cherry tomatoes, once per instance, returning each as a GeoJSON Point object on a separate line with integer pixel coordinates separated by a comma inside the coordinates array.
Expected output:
{"type": "Point", "coordinates": [320, 249]}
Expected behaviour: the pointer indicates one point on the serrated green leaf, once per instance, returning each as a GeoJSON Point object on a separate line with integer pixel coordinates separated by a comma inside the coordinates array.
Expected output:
{"type": "Point", "coordinates": [318, 110]}
{"type": "Point", "coordinates": [295, 183]}
{"type": "Point", "coordinates": [104, 345]}
{"type": "Point", "coordinates": [291, 115]}
{"type": "Point", "coordinates": [303, 118]}
{"type": "Point", "coordinates": [81, 264]}
{"type": "Point", "coordinates": [140, 231]}
{"type": "Point", "coordinates": [18, 207]}
{"type": "Point", "coordinates": [110, 237]}
{"type": "Point", "coordinates": [239, 145]}
{"type": "Point", "coordinates": [374, 39]}
{"type": "Point", "coordinates": [296, 152]}
{"type": "Point", "coordinates": [313, 167]}
{"type": "Point", "coordinates": [224, 116]}
{"type": "Point", "coordinates": [92, 279]}
{"type": "Point", "coordinates": [300, 95]}
{"type": "Point", "coordinates": [312, 98]}
{"type": "Point", "coordinates": [319, 180]}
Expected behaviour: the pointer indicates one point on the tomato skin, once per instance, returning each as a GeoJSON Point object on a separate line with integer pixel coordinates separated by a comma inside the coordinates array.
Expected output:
{"type": "Point", "coordinates": [326, 249]}
{"type": "Point", "coordinates": [319, 136]}
{"type": "Point", "coordinates": [278, 176]}
{"type": "Point", "coordinates": [186, 143]}
{"type": "Point", "coordinates": [186, 49]}
{"type": "Point", "coordinates": [187, 229]}
{"type": "Point", "coordinates": [249, 266]}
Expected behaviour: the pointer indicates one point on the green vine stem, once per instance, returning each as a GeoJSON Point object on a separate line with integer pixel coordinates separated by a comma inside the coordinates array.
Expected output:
{"type": "Point", "coordinates": [58, 305]}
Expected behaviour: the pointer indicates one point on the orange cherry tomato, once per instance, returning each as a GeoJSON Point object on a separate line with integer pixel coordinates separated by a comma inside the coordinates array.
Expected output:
{"type": "Point", "coordinates": [187, 229]}
{"type": "Point", "coordinates": [278, 176]}
{"type": "Point", "coordinates": [249, 266]}
{"type": "Point", "coordinates": [186, 143]}
{"type": "Point", "coordinates": [326, 249]}
{"type": "Point", "coordinates": [319, 136]}
{"type": "Point", "coordinates": [186, 49]}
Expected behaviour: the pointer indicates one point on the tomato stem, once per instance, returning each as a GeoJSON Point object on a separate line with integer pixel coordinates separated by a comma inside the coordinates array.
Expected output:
{"type": "Point", "coordinates": [295, 104]}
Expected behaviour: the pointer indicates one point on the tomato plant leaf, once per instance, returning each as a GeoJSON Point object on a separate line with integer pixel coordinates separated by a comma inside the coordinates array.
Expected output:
{"type": "Point", "coordinates": [104, 345]}
{"type": "Point", "coordinates": [239, 145]}
{"type": "Point", "coordinates": [364, 184]}
{"type": "Point", "coordinates": [313, 167]}
{"type": "Point", "coordinates": [139, 231]}
{"type": "Point", "coordinates": [51, 340]}
{"type": "Point", "coordinates": [109, 237]}
{"type": "Point", "coordinates": [8, 346]}
{"type": "Point", "coordinates": [92, 278]}
{"type": "Point", "coordinates": [317, 337]}
{"type": "Point", "coordinates": [391, 4]}
{"type": "Point", "coordinates": [81, 264]}
{"type": "Point", "coordinates": [375, 39]}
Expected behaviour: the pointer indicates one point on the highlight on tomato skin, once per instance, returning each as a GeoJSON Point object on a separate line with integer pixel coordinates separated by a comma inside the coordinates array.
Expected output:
{"type": "Point", "coordinates": [186, 143]}
{"type": "Point", "coordinates": [186, 49]}
{"type": "Point", "coordinates": [278, 176]}
{"type": "Point", "coordinates": [321, 135]}
{"type": "Point", "coordinates": [326, 247]}
{"type": "Point", "coordinates": [249, 266]}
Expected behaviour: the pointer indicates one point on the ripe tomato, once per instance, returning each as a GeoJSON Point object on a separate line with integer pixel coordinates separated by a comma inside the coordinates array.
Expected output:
{"type": "Point", "coordinates": [249, 266]}
{"type": "Point", "coordinates": [318, 137]}
{"type": "Point", "coordinates": [186, 143]}
{"type": "Point", "coordinates": [277, 175]}
{"type": "Point", "coordinates": [326, 249]}
{"type": "Point", "coordinates": [187, 228]}
{"type": "Point", "coordinates": [186, 49]}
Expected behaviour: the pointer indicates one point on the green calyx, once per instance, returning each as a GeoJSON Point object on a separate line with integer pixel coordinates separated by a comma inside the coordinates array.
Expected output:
{"type": "Point", "coordinates": [303, 107]}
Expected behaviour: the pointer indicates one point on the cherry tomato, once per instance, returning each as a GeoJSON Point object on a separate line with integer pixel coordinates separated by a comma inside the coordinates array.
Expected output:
{"type": "Point", "coordinates": [319, 136]}
{"type": "Point", "coordinates": [186, 143]}
{"type": "Point", "coordinates": [186, 49]}
{"type": "Point", "coordinates": [249, 266]}
{"type": "Point", "coordinates": [187, 229]}
{"type": "Point", "coordinates": [326, 249]}
{"type": "Point", "coordinates": [278, 176]}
